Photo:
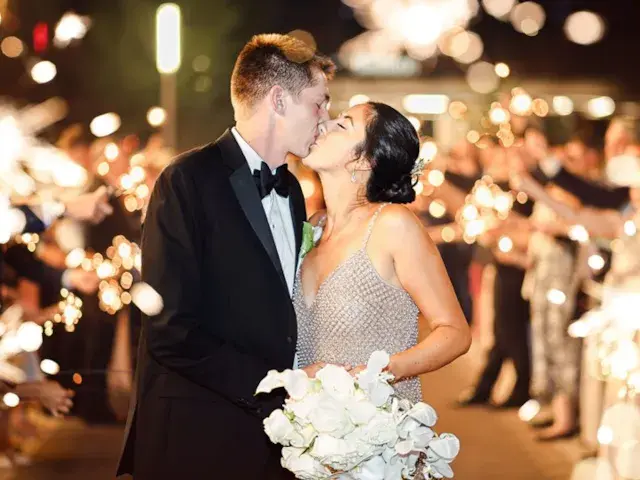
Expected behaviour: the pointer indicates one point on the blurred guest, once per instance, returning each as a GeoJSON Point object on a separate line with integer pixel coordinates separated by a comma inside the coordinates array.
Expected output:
{"type": "Point", "coordinates": [511, 311]}
{"type": "Point", "coordinates": [554, 272]}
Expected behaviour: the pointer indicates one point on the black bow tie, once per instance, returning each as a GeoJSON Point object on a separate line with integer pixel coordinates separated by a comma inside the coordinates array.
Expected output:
{"type": "Point", "coordinates": [267, 181]}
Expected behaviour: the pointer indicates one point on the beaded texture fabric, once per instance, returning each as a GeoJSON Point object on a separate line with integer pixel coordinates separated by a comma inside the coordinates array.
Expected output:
{"type": "Point", "coordinates": [354, 313]}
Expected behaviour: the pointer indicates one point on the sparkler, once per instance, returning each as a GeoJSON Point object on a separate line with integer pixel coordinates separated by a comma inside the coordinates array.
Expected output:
{"type": "Point", "coordinates": [484, 207]}
{"type": "Point", "coordinates": [123, 259]}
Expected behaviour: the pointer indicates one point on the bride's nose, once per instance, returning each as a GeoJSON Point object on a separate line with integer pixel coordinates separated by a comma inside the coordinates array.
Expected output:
{"type": "Point", "coordinates": [322, 128]}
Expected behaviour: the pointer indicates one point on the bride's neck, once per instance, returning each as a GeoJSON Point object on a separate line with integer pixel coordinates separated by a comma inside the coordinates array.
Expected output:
{"type": "Point", "coordinates": [341, 199]}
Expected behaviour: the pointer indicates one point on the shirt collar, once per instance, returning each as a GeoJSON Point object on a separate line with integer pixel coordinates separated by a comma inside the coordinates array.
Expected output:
{"type": "Point", "coordinates": [252, 157]}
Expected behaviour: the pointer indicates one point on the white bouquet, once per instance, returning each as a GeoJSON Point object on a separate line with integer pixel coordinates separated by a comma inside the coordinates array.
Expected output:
{"type": "Point", "coordinates": [339, 427]}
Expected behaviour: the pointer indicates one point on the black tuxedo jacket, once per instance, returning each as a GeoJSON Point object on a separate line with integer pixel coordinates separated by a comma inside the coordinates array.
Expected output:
{"type": "Point", "coordinates": [227, 320]}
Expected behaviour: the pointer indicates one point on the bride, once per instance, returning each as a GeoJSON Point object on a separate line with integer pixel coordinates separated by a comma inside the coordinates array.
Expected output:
{"type": "Point", "coordinates": [375, 269]}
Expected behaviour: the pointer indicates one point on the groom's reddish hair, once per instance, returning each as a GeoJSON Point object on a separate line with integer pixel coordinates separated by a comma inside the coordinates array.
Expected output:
{"type": "Point", "coordinates": [272, 59]}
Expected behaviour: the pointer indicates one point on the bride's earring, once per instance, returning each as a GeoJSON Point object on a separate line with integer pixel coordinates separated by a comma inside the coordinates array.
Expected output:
{"type": "Point", "coordinates": [353, 176]}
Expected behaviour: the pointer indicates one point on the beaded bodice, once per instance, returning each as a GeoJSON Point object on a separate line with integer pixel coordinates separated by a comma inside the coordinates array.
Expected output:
{"type": "Point", "coordinates": [354, 313]}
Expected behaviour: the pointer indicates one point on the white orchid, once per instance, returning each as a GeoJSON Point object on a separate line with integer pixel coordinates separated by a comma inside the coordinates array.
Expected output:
{"type": "Point", "coordinates": [272, 381]}
{"type": "Point", "coordinates": [446, 446]}
{"type": "Point", "coordinates": [295, 382]}
{"type": "Point", "coordinates": [375, 381]}
{"type": "Point", "coordinates": [423, 413]}
{"type": "Point", "coordinates": [335, 427]}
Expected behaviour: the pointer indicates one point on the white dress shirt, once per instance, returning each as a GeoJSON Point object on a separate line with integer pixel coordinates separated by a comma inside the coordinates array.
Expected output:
{"type": "Point", "coordinates": [278, 215]}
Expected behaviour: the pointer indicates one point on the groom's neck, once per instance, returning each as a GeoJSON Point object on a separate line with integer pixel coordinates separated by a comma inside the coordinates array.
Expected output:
{"type": "Point", "coordinates": [262, 138]}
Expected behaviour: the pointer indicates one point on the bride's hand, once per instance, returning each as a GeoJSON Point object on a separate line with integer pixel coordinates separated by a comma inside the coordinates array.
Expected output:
{"type": "Point", "coordinates": [311, 370]}
{"type": "Point", "coordinates": [356, 370]}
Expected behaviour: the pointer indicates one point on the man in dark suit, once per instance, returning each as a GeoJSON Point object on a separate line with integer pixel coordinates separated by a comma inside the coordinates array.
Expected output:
{"type": "Point", "coordinates": [90, 207]}
{"type": "Point", "coordinates": [220, 245]}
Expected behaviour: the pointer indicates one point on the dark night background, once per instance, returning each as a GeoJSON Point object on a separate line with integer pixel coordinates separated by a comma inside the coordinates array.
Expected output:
{"type": "Point", "coordinates": [113, 68]}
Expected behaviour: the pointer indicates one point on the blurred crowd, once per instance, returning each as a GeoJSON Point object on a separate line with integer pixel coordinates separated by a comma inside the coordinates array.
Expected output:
{"type": "Point", "coordinates": [69, 327]}
{"type": "Point", "coordinates": [540, 244]}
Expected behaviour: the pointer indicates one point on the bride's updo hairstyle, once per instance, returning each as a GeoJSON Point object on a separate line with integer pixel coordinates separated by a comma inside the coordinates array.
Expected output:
{"type": "Point", "coordinates": [391, 147]}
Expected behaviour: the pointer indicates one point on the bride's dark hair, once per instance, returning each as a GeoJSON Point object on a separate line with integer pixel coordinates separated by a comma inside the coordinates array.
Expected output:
{"type": "Point", "coordinates": [391, 147]}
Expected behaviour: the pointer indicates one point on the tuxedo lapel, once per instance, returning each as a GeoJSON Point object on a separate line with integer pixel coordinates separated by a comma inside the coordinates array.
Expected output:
{"type": "Point", "coordinates": [247, 194]}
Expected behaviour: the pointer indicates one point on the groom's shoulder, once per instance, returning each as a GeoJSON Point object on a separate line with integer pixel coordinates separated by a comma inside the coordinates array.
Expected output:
{"type": "Point", "coordinates": [193, 162]}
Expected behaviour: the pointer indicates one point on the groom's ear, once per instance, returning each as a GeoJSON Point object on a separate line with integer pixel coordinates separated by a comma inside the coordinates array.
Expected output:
{"type": "Point", "coordinates": [277, 99]}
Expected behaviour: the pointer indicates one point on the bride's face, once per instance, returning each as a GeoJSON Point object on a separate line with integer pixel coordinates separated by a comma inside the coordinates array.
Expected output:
{"type": "Point", "coordinates": [337, 143]}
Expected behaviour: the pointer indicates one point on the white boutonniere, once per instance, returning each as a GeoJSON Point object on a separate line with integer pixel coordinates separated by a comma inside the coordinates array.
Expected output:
{"type": "Point", "coordinates": [310, 237]}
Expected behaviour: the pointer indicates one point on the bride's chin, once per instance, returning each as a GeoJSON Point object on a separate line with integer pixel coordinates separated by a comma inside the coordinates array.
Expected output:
{"type": "Point", "coordinates": [308, 160]}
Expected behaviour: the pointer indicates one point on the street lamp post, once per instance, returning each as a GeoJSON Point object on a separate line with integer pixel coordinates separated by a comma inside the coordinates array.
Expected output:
{"type": "Point", "coordinates": [168, 60]}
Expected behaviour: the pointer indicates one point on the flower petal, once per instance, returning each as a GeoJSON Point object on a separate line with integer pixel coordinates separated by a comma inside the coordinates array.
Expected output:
{"type": "Point", "coordinates": [278, 427]}
{"type": "Point", "coordinates": [421, 436]}
{"type": "Point", "coordinates": [446, 446]}
{"type": "Point", "coordinates": [424, 413]}
{"type": "Point", "coordinates": [378, 361]}
{"type": "Point", "coordinates": [296, 383]}
{"type": "Point", "coordinates": [272, 381]}
{"type": "Point", "coordinates": [404, 447]}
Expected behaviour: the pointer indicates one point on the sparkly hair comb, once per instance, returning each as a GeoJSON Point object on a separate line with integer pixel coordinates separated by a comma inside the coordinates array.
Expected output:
{"type": "Point", "coordinates": [418, 167]}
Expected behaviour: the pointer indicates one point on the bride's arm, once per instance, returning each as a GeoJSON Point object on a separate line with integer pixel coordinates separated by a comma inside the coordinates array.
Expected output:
{"type": "Point", "coordinates": [420, 271]}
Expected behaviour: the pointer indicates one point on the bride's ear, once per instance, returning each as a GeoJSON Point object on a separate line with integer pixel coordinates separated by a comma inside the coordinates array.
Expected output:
{"type": "Point", "coordinates": [362, 164]}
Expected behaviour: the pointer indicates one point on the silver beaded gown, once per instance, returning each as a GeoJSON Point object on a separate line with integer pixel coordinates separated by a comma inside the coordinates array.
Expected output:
{"type": "Point", "coordinates": [356, 312]}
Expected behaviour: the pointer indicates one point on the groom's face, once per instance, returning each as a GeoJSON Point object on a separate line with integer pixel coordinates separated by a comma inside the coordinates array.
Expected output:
{"type": "Point", "coordinates": [304, 114]}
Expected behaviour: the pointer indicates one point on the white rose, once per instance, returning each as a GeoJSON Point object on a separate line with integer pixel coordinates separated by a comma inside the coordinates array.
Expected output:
{"type": "Point", "coordinates": [302, 465]}
{"type": "Point", "coordinates": [331, 417]}
{"type": "Point", "coordinates": [278, 427]}
{"type": "Point", "coordinates": [336, 382]}
{"type": "Point", "coordinates": [303, 408]}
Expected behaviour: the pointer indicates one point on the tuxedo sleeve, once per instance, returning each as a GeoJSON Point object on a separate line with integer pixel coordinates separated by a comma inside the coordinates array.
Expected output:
{"type": "Point", "coordinates": [33, 224]}
{"type": "Point", "coordinates": [589, 193]}
{"type": "Point", "coordinates": [27, 265]}
{"type": "Point", "coordinates": [176, 338]}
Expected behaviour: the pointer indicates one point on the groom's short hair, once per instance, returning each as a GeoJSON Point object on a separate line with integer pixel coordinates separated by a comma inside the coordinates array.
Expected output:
{"type": "Point", "coordinates": [272, 59]}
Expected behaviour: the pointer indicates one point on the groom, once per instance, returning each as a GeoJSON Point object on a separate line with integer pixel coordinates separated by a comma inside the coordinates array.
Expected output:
{"type": "Point", "coordinates": [220, 245]}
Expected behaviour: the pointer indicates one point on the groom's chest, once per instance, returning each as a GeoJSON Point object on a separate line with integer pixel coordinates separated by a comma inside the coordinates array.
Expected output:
{"type": "Point", "coordinates": [232, 247]}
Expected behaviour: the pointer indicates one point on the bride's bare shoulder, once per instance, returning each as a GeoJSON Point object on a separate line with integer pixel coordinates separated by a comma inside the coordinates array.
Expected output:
{"type": "Point", "coordinates": [398, 217]}
{"type": "Point", "coordinates": [318, 217]}
{"type": "Point", "coordinates": [401, 228]}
